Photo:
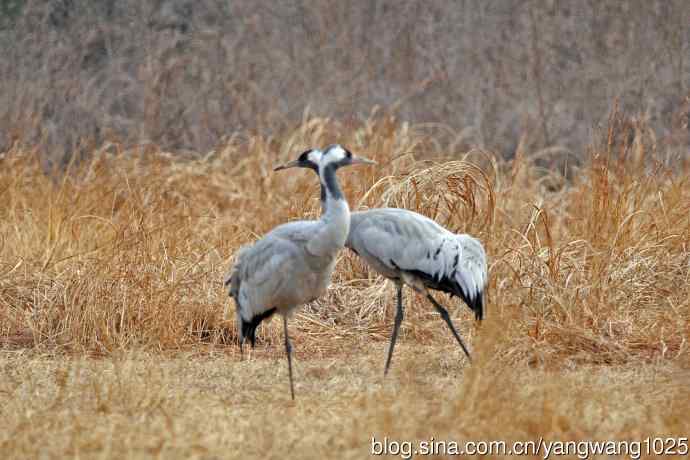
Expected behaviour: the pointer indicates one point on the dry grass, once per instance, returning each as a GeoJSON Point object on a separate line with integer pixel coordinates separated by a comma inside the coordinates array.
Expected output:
{"type": "Point", "coordinates": [184, 74]}
{"type": "Point", "coordinates": [193, 406]}
{"type": "Point", "coordinates": [111, 303]}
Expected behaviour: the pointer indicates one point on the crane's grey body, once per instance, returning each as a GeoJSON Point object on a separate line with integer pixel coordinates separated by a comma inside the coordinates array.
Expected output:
{"type": "Point", "coordinates": [398, 243]}
{"type": "Point", "coordinates": [409, 248]}
{"type": "Point", "coordinates": [292, 264]}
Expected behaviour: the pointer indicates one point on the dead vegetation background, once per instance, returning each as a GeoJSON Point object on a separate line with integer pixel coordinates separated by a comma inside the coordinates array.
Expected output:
{"type": "Point", "coordinates": [111, 301]}
{"type": "Point", "coordinates": [186, 74]}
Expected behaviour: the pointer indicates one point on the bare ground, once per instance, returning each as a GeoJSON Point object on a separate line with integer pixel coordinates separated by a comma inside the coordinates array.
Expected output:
{"type": "Point", "coordinates": [114, 342]}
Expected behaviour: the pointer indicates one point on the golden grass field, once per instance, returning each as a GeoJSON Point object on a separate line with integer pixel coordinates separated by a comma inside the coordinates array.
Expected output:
{"type": "Point", "coordinates": [113, 341]}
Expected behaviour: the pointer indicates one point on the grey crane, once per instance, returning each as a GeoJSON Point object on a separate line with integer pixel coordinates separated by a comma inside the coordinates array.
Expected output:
{"type": "Point", "coordinates": [411, 249]}
{"type": "Point", "coordinates": [292, 264]}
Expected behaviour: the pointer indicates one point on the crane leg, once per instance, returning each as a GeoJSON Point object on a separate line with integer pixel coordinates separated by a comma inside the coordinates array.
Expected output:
{"type": "Point", "coordinates": [444, 314]}
{"type": "Point", "coordinates": [398, 319]}
{"type": "Point", "coordinates": [288, 351]}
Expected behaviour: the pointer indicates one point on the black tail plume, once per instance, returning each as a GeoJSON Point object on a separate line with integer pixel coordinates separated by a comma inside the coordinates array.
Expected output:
{"type": "Point", "coordinates": [249, 327]}
{"type": "Point", "coordinates": [476, 304]}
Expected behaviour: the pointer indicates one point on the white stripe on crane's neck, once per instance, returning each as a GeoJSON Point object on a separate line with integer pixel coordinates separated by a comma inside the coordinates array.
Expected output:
{"type": "Point", "coordinates": [336, 212]}
{"type": "Point", "coordinates": [335, 203]}
{"type": "Point", "coordinates": [329, 162]}
{"type": "Point", "coordinates": [330, 182]}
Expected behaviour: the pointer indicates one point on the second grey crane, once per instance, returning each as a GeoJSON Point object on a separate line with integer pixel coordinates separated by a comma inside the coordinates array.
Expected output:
{"type": "Point", "coordinates": [292, 264]}
{"type": "Point", "coordinates": [409, 248]}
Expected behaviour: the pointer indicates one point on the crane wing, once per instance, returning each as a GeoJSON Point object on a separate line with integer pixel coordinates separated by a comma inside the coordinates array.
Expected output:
{"type": "Point", "coordinates": [264, 274]}
{"type": "Point", "coordinates": [394, 240]}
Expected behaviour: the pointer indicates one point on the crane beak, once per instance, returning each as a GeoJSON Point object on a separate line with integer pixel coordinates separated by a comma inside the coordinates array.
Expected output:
{"type": "Point", "coordinates": [289, 164]}
{"type": "Point", "coordinates": [361, 161]}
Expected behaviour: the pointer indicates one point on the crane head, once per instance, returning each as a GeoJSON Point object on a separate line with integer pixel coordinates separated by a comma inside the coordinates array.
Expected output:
{"type": "Point", "coordinates": [333, 154]}
{"type": "Point", "coordinates": [339, 156]}
{"type": "Point", "coordinates": [308, 159]}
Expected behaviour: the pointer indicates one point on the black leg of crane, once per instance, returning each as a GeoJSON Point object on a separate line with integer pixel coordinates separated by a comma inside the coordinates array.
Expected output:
{"type": "Point", "coordinates": [241, 349]}
{"type": "Point", "coordinates": [398, 319]}
{"type": "Point", "coordinates": [288, 350]}
{"type": "Point", "coordinates": [444, 314]}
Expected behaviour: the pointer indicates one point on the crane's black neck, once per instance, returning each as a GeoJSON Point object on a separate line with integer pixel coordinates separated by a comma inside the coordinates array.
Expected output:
{"type": "Point", "coordinates": [323, 198]}
{"type": "Point", "coordinates": [329, 183]}
{"type": "Point", "coordinates": [315, 168]}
